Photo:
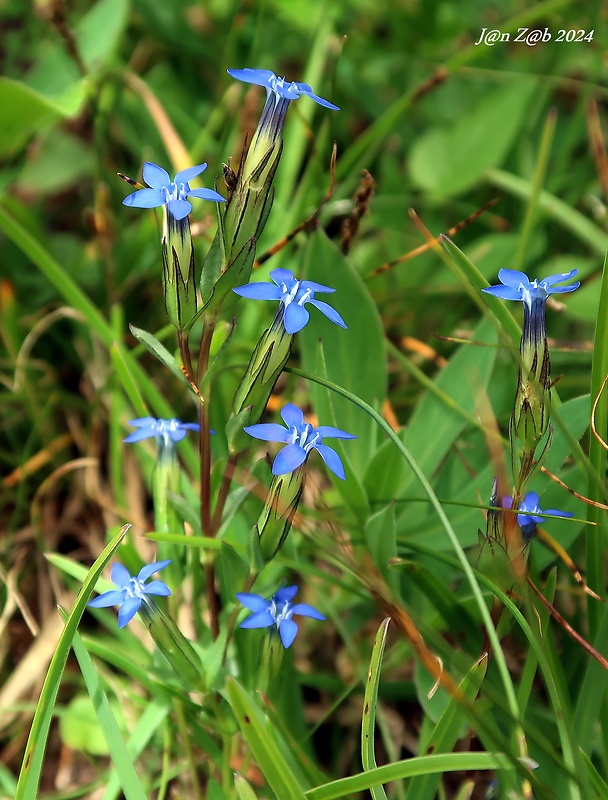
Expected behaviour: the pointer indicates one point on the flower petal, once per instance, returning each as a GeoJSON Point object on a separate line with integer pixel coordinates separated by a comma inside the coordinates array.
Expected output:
{"type": "Point", "coordinates": [288, 631]}
{"type": "Point", "coordinates": [304, 610]}
{"type": "Point", "coordinates": [259, 291]}
{"type": "Point", "coordinates": [513, 278]}
{"type": "Point", "coordinates": [290, 458]}
{"type": "Point", "coordinates": [155, 176]}
{"type": "Point", "coordinates": [142, 433]}
{"type": "Point", "coordinates": [176, 435]}
{"type": "Point", "coordinates": [316, 287]}
{"type": "Point", "coordinates": [296, 317]}
{"type": "Point", "coordinates": [140, 422]}
{"type": "Point", "coordinates": [144, 198]}
{"type": "Point", "coordinates": [179, 208]}
{"type": "Point", "coordinates": [128, 610]}
{"type": "Point", "coordinates": [560, 278]}
{"type": "Point", "coordinates": [556, 513]}
{"type": "Point", "coordinates": [254, 602]}
{"type": "Point", "coordinates": [112, 598]}
{"type": "Point", "coordinates": [564, 289]}
{"type": "Point", "coordinates": [261, 77]}
{"type": "Point", "coordinates": [335, 433]}
{"type": "Point", "coordinates": [504, 292]}
{"type": "Point", "coordinates": [267, 432]}
{"type": "Point", "coordinates": [188, 174]}
{"type": "Point", "coordinates": [120, 576]}
{"type": "Point", "coordinates": [286, 594]}
{"type": "Point", "coordinates": [332, 460]}
{"type": "Point", "coordinates": [281, 275]}
{"type": "Point", "coordinates": [530, 502]}
{"type": "Point", "coordinates": [292, 415]}
{"type": "Point", "coordinates": [191, 426]}
{"type": "Point", "coordinates": [207, 194]}
{"type": "Point", "coordinates": [329, 312]}
{"type": "Point", "coordinates": [149, 569]}
{"type": "Point", "coordinates": [261, 619]}
{"type": "Point", "coordinates": [307, 90]}
{"type": "Point", "coordinates": [157, 588]}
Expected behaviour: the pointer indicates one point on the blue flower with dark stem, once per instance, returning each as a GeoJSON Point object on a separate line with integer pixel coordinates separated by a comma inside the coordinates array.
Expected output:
{"type": "Point", "coordinates": [293, 295]}
{"type": "Point", "coordinates": [131, 592]}
{"type": "Point", "coordinates": [166, 431]}
{"type": "Point", "coordinates": [532, 514]}
{"type": "Point", "coordinates": [301, 439]}
{"type": "Point", "coordinates": [279, 87]}
{"type": "Point", "coordinates": [171, 193]}
{"type": "Point", "coordinates": [277, 612]}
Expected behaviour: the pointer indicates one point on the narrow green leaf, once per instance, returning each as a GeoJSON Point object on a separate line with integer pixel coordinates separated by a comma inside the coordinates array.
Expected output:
{"type": "Point", "coordinates": [243, 788]}
{"type": "Point", "coordinates": [264, 748]}
{"type": "Point", "coordinates": [158, 350]}
{"type": "Point", "coordinates": [29, 776]}
{"type": "Point", "coordinates": [447, 731]}
{"type": "Point", "coordinates": [422, 765]}
{"type": "Point", "coordinates": [129, 780]}
{"type": "Point", "coordinates": [370, 699]}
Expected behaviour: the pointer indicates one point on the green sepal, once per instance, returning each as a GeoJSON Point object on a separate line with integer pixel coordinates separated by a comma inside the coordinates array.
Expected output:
{"type": "Point", "coordinates": [254, 551]}
{"type": "Point", "coordinates": [178, 270]}
{"type": "Point", "coordinates": [236, 437]}
{"type": "Point", "coordinates": [173, 645]}
{"type": "Point", "coordinates": [274, 522]}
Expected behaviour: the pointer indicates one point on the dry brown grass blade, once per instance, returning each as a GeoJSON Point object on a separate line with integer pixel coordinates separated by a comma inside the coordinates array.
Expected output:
{"type": "Point", "coordinates": [39, 460]}
{"type": "Point", "coordinates": [307, 222]}
{"type": "Point", "coordinates": [424, 350]}
{"type": "Point", "coordinates": [433, 240]}
{"type": "Point", "coordinates": [176, 149]}
{"type": "Point", "coordinates": [556, 548]}
{"type": "Point", "coordinates": [567, 627]}
{"type": "Point", "coordinates": [597, 143]}
{"type": "Point", "coordinates": [593, 410]}
{"type": "Point", "coordinates": [582, 497]}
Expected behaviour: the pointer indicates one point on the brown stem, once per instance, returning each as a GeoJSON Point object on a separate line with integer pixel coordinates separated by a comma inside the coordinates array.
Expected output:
{"type": "Point", "coordinates": [223, 494]}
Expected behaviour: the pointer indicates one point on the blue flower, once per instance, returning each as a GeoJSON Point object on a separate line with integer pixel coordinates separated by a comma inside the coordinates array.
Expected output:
{"type": "Point", "coordinates": [166, 431]}
{"type": "Point", "coordinates": [534, 513]}
{"type": "Point", "coordinates": [173, 194]}
{"type": "Point", "coordinates": [301, 438]}
{"type": "Point", "coordinates": [293, 295]}
{"type": "Point", "coordinates": [278, 86]}
{"type": "Point", "coordinates": [277, 612]}
{"type": "Point", "coordinates": [131, 592]}
{"type": "Point", "coordinates": [516, 285]}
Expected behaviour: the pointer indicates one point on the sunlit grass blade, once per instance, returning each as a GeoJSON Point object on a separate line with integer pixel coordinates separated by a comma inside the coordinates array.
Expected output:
{"type": "Point", "coordinates": [368, 724]}
{"type": "Point", "coordinates": [29, 776]}
{"type": "Point", "coordinates": [121, 759]}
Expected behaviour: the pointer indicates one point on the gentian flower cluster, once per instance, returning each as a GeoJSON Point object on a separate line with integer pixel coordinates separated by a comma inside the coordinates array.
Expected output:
{"type": "Point", "coordinates": [293, 296]}
{"type": "Point", "coordinates": [301, 439]}
{"type": "Point", "coordinates": [174, 193]}
{"type": "Point", "coordinates": [131, 592]}
{"type": "Point", "coordinates": [277, 613]}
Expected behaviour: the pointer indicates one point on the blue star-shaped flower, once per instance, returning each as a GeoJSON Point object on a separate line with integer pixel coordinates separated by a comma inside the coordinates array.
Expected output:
{"type": "Point", "coordinates": [165, 192]}
{"type": "Point", "coordinates": [534, 513]}
{"type": "Point", "coordinates": [166, 431]}
{"type": "Point", "coordinates": [277, 612]}
{"type": "Point", "coordinates": [516, 285]}
{"type": "Point", "coordinates": [131, 592]}
{"type": "Point", "coordinates": [301, 438]}
{"type": "Point", "coordinates": [293, 295]}
{"type": "Point", "coordinates": [278, 86]}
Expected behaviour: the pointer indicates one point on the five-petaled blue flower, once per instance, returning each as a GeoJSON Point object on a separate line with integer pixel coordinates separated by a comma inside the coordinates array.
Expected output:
{"type": "Point", "coordinates": [293, 295]}
{"type": "Point", "coordinates": [279, 86]}
{"type": "Point", "coordinates": [516, 285]}
{"type": "Point", "coordinates": [278, 612]}
{"type": "Point", "coordinates": [131, 592]}
{"type": "Point", "coordinates": [166, 431]}
{"type": "Point", "coordinates": [301, 438]}
{"type": "Point", "coordinates": [165, 192]}
{"type": "Point", "coordinates": [535, 514]}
